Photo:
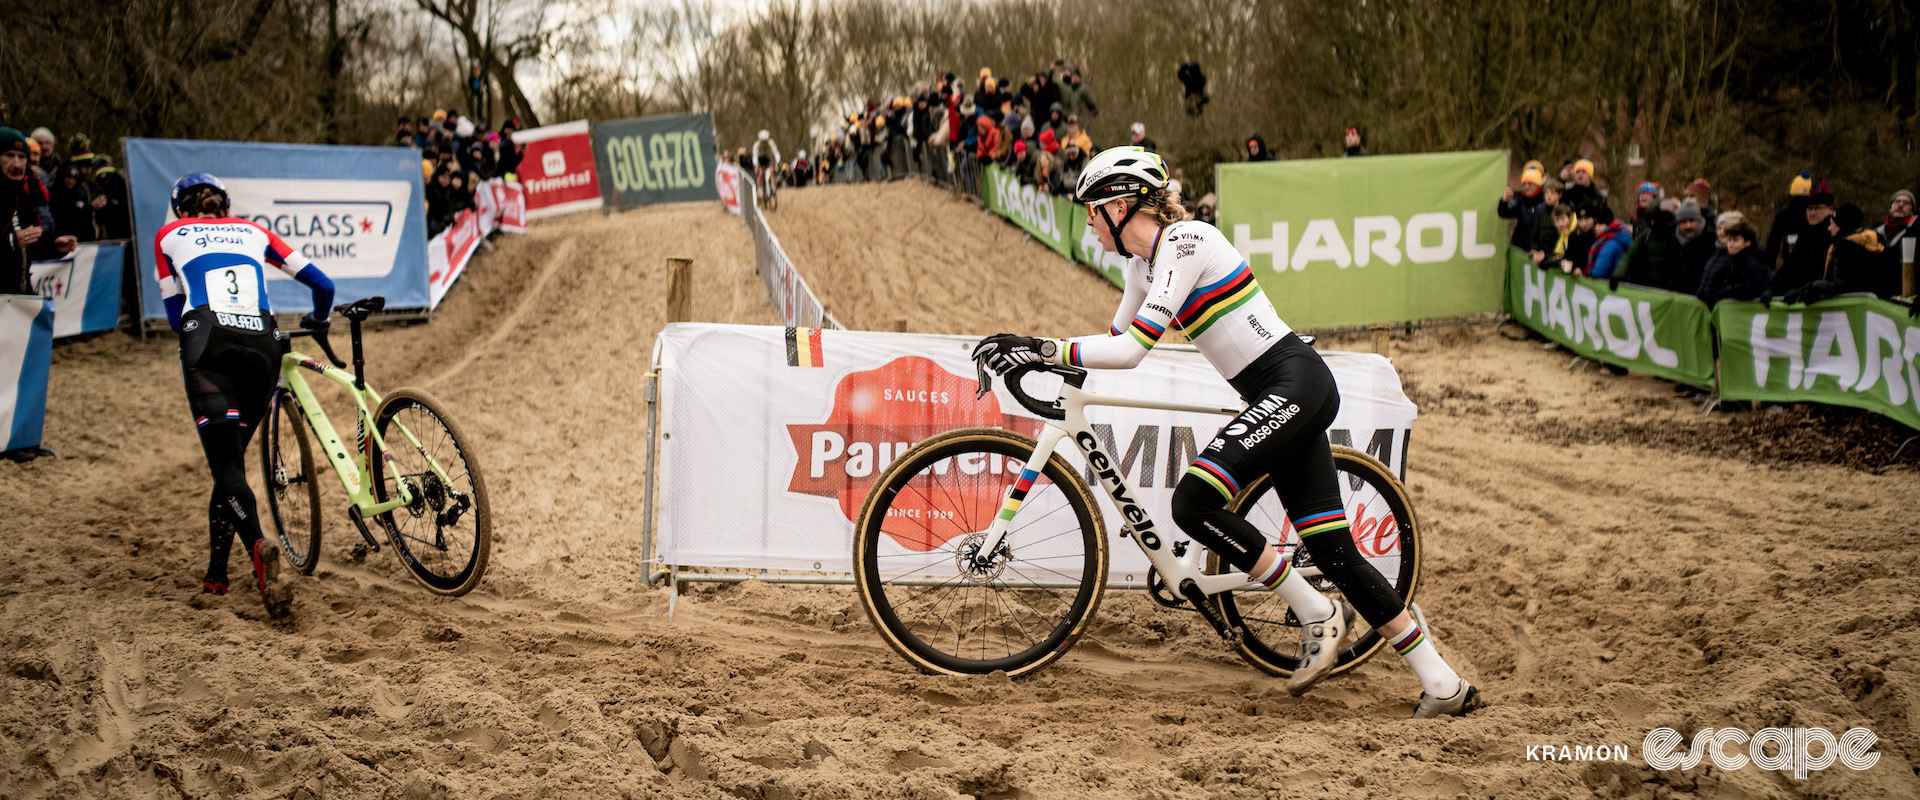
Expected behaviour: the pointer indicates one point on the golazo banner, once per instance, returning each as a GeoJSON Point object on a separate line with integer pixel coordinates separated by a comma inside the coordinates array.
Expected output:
{"type": "Point", "coordinates": [655, 159]}
{"type": "Point", "coordinates": [26, 357]}
{"type": "Point", "coordinates": [772, 437]}
{"type": "Point", "coordinates": [556, 169]}
{"type": "Point", "coordinates": [1861, 352]}
{"type": "Point", "coordinates": [1358, 241]}
{"type": "Point", "coordinates": [726, 178]}
{"type": "Point", "coordinates": [498, 205]}
{"type": "Point", "coordinates": [357, 212]}
{"type": "Point", "coordinates": [84, 287]}
{"type": "Point", "coordinates": [1654, 331]}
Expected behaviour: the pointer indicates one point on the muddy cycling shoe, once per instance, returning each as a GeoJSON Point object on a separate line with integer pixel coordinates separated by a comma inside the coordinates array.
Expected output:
{"type": "Point", "coordinates": [1319, 650]}
{"type": "Point", "coordinates": [1462, 701]}
{"type": "Point", "coordinates": [213, 587]}
{"type": "Point", "coordinates": [274, 591]}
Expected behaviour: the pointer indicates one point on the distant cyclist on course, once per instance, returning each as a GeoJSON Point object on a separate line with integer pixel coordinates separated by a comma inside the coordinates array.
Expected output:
{"type": "Point", "coordinates": [212, 280]}
{"type": "Point", "coordinates": [764, 170]}
{"type": "Point", "coordinates": [1187, 273]}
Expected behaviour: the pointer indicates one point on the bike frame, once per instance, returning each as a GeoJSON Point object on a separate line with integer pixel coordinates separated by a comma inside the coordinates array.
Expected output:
{"type": "Point", "coordinates": [353, 470]}
{"type": "Point", "coordinates": [1138, 524]}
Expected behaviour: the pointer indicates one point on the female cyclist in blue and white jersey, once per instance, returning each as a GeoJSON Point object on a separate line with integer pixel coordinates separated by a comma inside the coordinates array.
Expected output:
{"type": "Point", "coordinates": [213, 281]}
{"type": "Point", "coordinates": [1187, 274]}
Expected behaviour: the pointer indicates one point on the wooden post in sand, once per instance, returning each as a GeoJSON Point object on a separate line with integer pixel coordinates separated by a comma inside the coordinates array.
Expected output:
{"type": "Point", "coordinates": [1382, 340]}
{"type": "Point", "coordinates": [899, 325]}
{"type": "Point", "coordinates": [679, 289]}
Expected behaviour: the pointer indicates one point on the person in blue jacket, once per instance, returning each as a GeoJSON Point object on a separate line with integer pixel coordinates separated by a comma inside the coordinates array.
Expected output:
{"type": "Point", "coordinates": [1610, 241]}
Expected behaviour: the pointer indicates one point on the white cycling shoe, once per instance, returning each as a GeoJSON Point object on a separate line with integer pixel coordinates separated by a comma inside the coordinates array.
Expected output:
{"type": "Point", "coordinates": [1462, 701]}
{"type": "Point", "coordinates": [1319, 649]}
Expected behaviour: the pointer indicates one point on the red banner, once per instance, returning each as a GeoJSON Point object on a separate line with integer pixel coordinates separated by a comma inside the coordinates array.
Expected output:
{"type": "Point", "coordinates": [726, 178]}
{"type": "Point", "coordinates": [557, 170]}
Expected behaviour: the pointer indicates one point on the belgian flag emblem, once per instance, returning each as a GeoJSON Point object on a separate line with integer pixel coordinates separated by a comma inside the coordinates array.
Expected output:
{"type": "Point", "coordinates": [803, 347]}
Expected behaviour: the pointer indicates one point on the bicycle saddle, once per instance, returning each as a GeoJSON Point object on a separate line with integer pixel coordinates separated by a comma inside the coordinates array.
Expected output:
{"type": "Point", "coordinates": [359, 310]}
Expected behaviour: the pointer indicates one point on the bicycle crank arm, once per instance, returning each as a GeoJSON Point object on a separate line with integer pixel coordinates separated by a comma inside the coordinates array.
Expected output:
{"type": "Point", "coordinates": [353, 513]}
{"type": "Point", "coordinates": [1198, 600]}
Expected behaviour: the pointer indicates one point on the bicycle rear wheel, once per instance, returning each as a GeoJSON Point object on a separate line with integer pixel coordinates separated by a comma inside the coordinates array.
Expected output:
{"type": "Point", "coordinates": [445, 535]}
{"type": "Point", "coordinates": [1384, 530]}
{"type": "Point", "coordinates": [941, 603]}
{"type": "Point", "coordinates": [293, 494]}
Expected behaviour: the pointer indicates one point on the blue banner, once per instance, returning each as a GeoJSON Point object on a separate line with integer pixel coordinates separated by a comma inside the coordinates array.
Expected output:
{"type": "Point", "coordinates": [358, 213]}
{"type": "Point", "coordinates": [26, 356]}
{"type": "Point", "coordinates": [84, 287]}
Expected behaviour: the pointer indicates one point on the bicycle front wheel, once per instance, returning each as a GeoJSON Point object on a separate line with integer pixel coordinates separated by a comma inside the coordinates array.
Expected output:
{"type": "Point", "coordinates": [1381, 519]}
{"type": "Point", "coordinates": [445, 535]}
{"type": "Point", "coordinates": [293, 494]}
{"type": "Point", "coordinates": [946, 606]}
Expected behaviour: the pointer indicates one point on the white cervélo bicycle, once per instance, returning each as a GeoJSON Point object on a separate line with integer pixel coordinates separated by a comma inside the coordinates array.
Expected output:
{"type": "Point", "coordinates": [982, 550]}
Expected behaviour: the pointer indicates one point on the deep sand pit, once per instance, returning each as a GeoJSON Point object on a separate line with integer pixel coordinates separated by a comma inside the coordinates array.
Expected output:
{"type": "Point", "coordinates": [1596, 586]}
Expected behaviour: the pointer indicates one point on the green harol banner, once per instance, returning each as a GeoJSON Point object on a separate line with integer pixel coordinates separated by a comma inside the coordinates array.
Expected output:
{"type": "Point", "coordinates": [1847, 351]}
{"type": "Point", "coordinates": [1648, 330]}
{"type": "Point", "coordinates": [1357, 241]}
{"type": "Point", "coordinates": [1047, 218]}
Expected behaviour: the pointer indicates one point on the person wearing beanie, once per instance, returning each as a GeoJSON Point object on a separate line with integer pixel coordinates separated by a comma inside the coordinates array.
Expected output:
{"type": "Point", "coordinates": [1801, 185]}
{"type": "Point", "coordinates": [1582, 194]}
{"type": "Point", "coordinates": [1546, 232]}
{"type": "Point", "coordinates": [1523, 207]}
{"type": "Point", "coordinates": [1579, 243]}
{"type": "Point", "coordinates": [1647, 199]}
{"type": "Point", "coordinates": [1852, 262]}
{"type": "Point", "coordinates": [1697, 245]}
{"type": "Point", "coordinates": [1805, 258]}
{"type": "Point", "coordinates": [1047, 142]}
{"type": "Point", "coordinates": [1789, 221]}
{"type": "Point", "coordinates": [1611, 239]}
{"type": "Point", "coordinates": [1257, 149]}
{"type": "Point", "coordinates": [29, 233]}
{"type": "Point", "coordinates": [1653, 259]}
{"type": "Point", "coordinates": [1352, 141]}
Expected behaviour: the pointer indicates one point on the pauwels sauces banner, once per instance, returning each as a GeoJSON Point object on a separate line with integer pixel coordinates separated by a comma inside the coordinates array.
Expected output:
{"type": "Point", "coordinates": [655, 159]}
{"type": "Point", "coordinates": [771, 439]}
{"type": "Point", "coordinates": [557, 169]}
{"type": "Point", "coordinates": [1357, 241]}
{"type": "Point", "coordinates": [358, 213]}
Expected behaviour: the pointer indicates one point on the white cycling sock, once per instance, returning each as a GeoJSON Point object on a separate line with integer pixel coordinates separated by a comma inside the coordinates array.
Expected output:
{"type": "Point", "coordinates": [1436, 677]}
{"type": "Point", "coordinates": [1308, 604]}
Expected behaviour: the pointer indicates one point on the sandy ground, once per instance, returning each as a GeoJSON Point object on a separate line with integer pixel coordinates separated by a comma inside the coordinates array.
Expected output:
{"type": "Point", "coordinates": [1594, 586]}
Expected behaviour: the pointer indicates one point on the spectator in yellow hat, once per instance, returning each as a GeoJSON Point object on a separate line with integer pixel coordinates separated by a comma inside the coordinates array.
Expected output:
{"type": "Point", "coordinates": [1583, 195]}
{"type": "Point", "coordinates": [1524, 206]}
{"type": "Point", "coordinates": [1789, 220]}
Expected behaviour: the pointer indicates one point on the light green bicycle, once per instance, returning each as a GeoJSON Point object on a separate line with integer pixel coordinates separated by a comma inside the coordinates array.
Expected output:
{"type": "Point", "coordinates": [426, 493]}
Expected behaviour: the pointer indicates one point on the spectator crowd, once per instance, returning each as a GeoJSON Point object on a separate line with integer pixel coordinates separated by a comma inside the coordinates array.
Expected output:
{"type": "Point", "coordinates": [947, 129]}
{"type": "Point", "coordinates": [54, 198]}
{"type": "Point", "coordinates": [1812, 249]}
{"type": "Point", "coordinates": [457, 155]}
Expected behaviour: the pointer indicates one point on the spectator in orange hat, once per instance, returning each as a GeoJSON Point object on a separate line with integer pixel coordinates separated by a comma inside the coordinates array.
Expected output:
{"type": "Point", "coordinates": [1524, 206]}
{"type": "Point", "coordinates": [1582, 194]}
{"type": "Point", "coordinates": [1789, 220]}
{"type": "Point", "coordinates": [1700, 193]}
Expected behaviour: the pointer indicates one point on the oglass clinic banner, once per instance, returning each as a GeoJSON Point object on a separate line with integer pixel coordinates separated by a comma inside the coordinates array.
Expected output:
{"type": "Point", "coordinates": [1861, 352]}
{"type": "Point", "coordinates": [1357, 241]}
{"type": "Point", "coordinates": [84, 287]}
{"type": "Point", "coordinates": [557, 171]}
{"type": "Point", "coordinates": [357, 212]}
{"type": "Point", "coordinates": [655, 159]}
{"type": "Point", "coordinates": [1657, 332]}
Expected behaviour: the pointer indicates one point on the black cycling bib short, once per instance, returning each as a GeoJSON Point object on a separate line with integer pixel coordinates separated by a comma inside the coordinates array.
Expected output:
{"type": "Point", "coordinates": [1195, 280]}
{"type": "Point", "coordinates": [230, 374]}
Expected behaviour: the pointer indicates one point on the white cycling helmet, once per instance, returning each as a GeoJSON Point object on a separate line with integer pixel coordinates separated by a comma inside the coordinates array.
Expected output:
{"type": "Point", "coordinates": [803, 154]}
{"type": "Point", "coordinates": [1121, 172]}
{"type": "Point", "coordinates": [764, 135]}
{"type": "Point", "coordinates": [1133, 173]}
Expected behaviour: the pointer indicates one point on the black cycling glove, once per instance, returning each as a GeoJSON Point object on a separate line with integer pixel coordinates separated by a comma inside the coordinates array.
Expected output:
{"type": "Point", "coordinates": [1004, 351]}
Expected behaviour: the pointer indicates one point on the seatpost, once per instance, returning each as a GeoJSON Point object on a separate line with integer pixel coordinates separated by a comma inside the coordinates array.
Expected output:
{"type": "Point", "coordinates": [359, 361]}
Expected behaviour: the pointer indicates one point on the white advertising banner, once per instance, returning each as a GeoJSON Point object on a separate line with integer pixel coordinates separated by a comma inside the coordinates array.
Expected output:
{"type": "Point", "coordinates": [770, 437]}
